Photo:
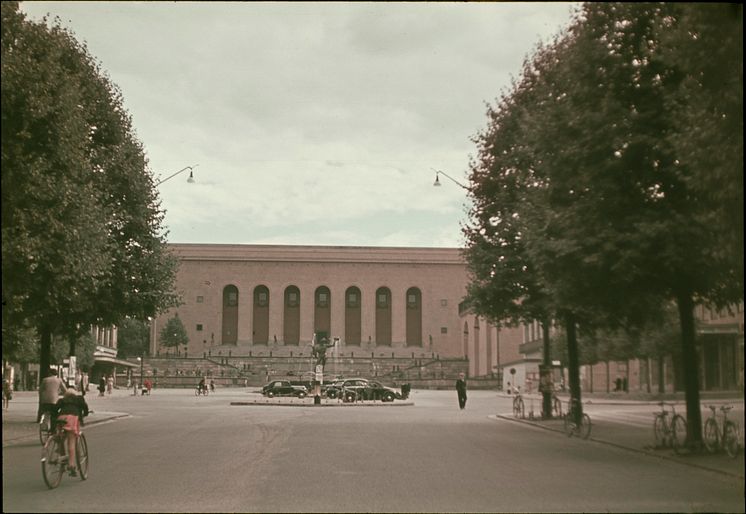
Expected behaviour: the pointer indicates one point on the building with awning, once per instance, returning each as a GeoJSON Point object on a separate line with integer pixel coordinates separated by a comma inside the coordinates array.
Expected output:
{"type": "Point", "coordinates": [105, 361]}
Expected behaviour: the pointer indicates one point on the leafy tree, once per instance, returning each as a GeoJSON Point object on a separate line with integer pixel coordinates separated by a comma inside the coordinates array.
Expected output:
{"type": "Point", "coordinates": [133, 338]}
{"type": "Point", "coordinates": [81, 235]}
{"type": "Point", "coordinates": [173, 334]}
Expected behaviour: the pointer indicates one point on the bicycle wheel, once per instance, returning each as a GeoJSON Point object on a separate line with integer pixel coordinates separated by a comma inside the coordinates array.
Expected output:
{"type": "Point", "coordinates": [584, 430]}
{"type": "Point", "coordinates": [519, 408]}
{"type": "Point", "coordinates": [730, 439]}
{"type": "Point", "coordinates": [45, 427]}
{"type": "Point", "coordinates": [710, 436]}
{"type": "Point", "coordinates": [52, 465]}
{"type": "Point", "coordinates": [569, 425]}
{"type": "Point", "coordinates": [659, 431]}
{"type": "Point", "coordinates": [81, 456]}
{"type": "Point", "coordinates": [678, 433]}
{"type": "Point", "coordinates": [196, 392]}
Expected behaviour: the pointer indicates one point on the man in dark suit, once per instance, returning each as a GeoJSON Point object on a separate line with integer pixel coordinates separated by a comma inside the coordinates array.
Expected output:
{"type": "Point", "coordinates": [461, 390]}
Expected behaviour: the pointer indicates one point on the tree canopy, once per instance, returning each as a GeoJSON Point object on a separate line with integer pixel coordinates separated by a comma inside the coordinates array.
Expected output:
{"type": "Point", "coordinates": [591, 183]}
{"type": "Point", "coordinates": [82, 240]}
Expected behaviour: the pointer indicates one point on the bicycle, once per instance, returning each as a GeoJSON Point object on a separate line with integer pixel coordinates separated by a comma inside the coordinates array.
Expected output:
{"type": "Point", "coordinates": [725, 439]}
{"type": "Point", "coordinates": [519, 407]}
{"type": "Point", "coordinates": [583, 429]}
{"type": "Point", "coordinates": [556, 406]}
{"type": "Point", "coordinates": [669, 430]}
{"type": "Point", "coordinates": [54, 456]}
{"type": "Point", "coordinates": [199, 390]}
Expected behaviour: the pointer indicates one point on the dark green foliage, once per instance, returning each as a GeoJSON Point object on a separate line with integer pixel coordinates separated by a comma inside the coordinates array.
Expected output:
{"type": "Point", "coordinates": [173, 334]}
{"type": "Point", "coordinates": [82, 241]}
{"type": "Point", "coordinates": [601, 161]}
{"type": "Point", "coordinates": [133, 337]}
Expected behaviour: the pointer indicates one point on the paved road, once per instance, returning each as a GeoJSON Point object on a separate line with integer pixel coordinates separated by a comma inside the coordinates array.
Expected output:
{"type": "Point", "coordinates": [180, 453]}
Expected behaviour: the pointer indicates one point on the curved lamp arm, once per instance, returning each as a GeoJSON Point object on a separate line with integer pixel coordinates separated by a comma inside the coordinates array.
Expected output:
{"type": "Point", "coordinates": [437, 182]}
{"type": "Point", "coordinates": [190, 179]}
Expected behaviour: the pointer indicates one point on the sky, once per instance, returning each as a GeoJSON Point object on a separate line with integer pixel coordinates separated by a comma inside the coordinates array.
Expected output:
{"type": "Point", "coordinates": [311, 123]}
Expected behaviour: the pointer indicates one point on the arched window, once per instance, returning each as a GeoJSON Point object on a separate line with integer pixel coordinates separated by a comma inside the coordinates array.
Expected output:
{"type": "Point", "coordinates": [292, 315]}
{"type": "Point", "coordinates": [261, 315]}
{"type": "Point", "coordinates": [383, 316]}
{"type": "Point", "coordinates": [322, 318]}
{"type": "Point", "coordinates": [414, 317]}
{"type": "Point", "coordinates": [230, 315]}
{"type": "Point", "coordinates": [353, 316]}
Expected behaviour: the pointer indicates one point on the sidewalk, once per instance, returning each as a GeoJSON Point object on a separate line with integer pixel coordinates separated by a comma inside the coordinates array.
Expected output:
{"type": "Point", "coordinates": [19, 421]}
{"type": "Point", "coordinates": [638, 438]}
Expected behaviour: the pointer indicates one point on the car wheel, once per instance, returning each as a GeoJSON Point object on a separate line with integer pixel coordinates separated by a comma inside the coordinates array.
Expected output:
{"type": "Point", "coordinates": [270, 394]}
{"type": "Point", "coordinates": [331, 394]}
{"type": "Point", "coordinates": [388, 397]}
{"type": "Point", "coordinates": [349, 397]}
{"type": "Point", "coordinates": [302, 394]}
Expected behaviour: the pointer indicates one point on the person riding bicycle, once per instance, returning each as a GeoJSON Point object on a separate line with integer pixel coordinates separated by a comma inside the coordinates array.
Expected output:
{"type": "Point", "coordinates": [50, 390]}
{"type": "Point", "coordinates": [71, 409]}
{"type": "Point", "coordinates": [202, 387]}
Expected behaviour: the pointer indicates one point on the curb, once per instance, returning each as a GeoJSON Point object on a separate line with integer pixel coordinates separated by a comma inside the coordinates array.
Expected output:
{"type": "Point", "coordinates": [278, 404]}
{"type": "Point", "coordinates": [34, 436]}
{"type": "Point", "coordinates": [621, 446]}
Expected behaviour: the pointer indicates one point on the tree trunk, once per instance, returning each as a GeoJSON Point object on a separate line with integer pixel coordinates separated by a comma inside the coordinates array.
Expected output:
{"type": "Point", "coordinates": [660, 361]}
{"type": "Point", "coordinates": [573, 366]}
{"type": "Point", "coordinates": [690, 369]}
{"type": "Point", "coordinates": [45, 352]}
{"type": "Point", "coordinates": [546, 396]}
{"type": "Point", "coordinates": [608, 378]}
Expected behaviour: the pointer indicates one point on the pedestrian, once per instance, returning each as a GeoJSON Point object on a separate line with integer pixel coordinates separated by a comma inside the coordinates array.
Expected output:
{"type": "Point", "coordinates": [148, 385]}
{"type": "Point", "coordinates": [102, 386]}
{"type": "Point", "coordinates": [7, 393]}
{"type": "Point", "coordinates": [110, 384]}
{"type": "Point", "coordinates": [461, 390]}
{"type": "Point", "coordinates": [134, 387]}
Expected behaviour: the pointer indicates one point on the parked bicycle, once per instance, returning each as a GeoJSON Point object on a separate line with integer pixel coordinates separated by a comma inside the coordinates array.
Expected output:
{"type": "Point", "coordinates": [556, 406]}
{"type": "Point", "coordinates": [54, 458]}
{"type": "Point", "coordinates": [519, 408]}
{"type": "Point", "coordinates": [572, 427]}
{"type": "Point", "coordinates": [723, 435]}
{"type": "Point", "coordinates": [669, 428]}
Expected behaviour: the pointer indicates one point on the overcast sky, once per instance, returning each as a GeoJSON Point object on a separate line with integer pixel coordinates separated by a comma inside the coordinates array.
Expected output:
{"type": "Point", "coordinates": [311, 123]}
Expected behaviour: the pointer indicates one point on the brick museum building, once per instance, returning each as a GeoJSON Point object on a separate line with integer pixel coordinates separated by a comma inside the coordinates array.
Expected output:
{"type": "Point", "coordinates": [247, 302]}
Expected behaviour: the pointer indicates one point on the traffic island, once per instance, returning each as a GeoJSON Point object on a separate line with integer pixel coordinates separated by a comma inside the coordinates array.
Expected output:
{"type": "Point", "coordinates": [318, 402]}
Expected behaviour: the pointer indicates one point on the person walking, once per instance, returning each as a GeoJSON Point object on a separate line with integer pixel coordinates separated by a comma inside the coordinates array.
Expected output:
{"type": "Point", "coordinates": [7, 393]}
{"type": "Point", "coordinates": [102, 386]}
{"type": "Point", "coordinates": [461, 390]}
{"type": "Point", "coordinates": [110, 384]}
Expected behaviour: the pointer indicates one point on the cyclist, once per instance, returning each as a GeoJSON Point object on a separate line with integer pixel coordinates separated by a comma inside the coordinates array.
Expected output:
{"type": "Point", "coordinates": [71, 409]}
{"type": "Point", "coordinates": [202, 387]}
{"type": "Point", "coordinates": [49, 392]}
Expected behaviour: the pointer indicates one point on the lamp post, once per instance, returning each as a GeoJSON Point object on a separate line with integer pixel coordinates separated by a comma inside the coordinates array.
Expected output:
{"type": "Point", "coordinates": [437, 182]}
{"type": "Point", "coordinates": [189, 180]}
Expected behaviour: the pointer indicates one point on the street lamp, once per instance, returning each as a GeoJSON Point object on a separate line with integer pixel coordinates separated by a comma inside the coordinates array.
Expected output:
{"type": "Point", "coordinates": [437, 182]}
{"type": "Point", "coordinates": [190, 179]}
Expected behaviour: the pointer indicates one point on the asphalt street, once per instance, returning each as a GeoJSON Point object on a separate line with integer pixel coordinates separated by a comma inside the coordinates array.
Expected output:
{"type": "Point", "coordinates": [175, 452]}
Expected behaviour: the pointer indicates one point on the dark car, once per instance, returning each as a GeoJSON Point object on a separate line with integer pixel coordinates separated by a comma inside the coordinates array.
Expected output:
{"type": "Point", "coordinates": [284, 388]}
{"type": "Point", "coordinates": [337, 388]}
{"type": "Point", "coordinates": [376, 391]}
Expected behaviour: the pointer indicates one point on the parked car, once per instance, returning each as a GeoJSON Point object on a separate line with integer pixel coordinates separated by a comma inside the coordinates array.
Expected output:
{"type": "Point", "coordinates": [353, 389]}
{"type": "Point", "coordinates": [376, 391]}
{"type": "Point", "coordinates": [284, 388]}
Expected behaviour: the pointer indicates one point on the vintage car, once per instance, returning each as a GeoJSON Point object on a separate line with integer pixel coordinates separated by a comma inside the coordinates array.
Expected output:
{"type": "Point", "coordinates": [353, 389]}
{"type": "Point", "coordinates": [284, 388]}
